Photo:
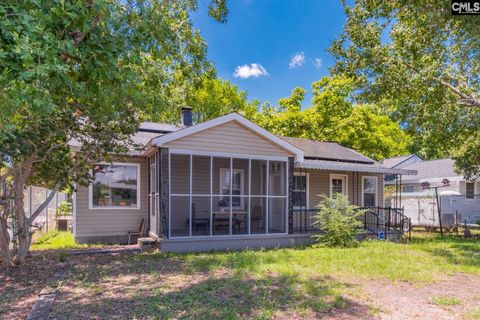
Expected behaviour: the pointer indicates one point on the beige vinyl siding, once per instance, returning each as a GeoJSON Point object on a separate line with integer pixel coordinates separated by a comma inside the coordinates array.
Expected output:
{"type": "Point", "coordinates": [319, 184]}
{"type": "Point", "coordinates": [229, 137]}
{"type": "Point", "coordinates": [111, 222]}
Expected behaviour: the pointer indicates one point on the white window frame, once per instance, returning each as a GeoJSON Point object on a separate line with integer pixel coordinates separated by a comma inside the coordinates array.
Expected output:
{"type": "Point", "coordinates": [376, 189]}
{"type": "Point", "coordinates": [474, 190]}
{"type": "Point", "coordinates": [339, 176]}
{"type": "Point", "coordinates": [90, 187]}
{"type": "Point", "coordinates": [307, 186]}
{"type": "Point", "coordinates": [242, 184]}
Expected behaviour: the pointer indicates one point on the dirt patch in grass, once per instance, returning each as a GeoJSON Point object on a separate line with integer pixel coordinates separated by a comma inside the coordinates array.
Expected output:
{"type": "Point", "coordinates": [19, 286]}
{"type": "Point", "coordinates": [124, 286]}
{"type": "Point", "coordinates": [455, 297]}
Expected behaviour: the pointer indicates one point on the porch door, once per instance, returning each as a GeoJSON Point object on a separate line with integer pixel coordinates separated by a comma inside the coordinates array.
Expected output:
{"type": "Point", "coordinates": [153, 195]}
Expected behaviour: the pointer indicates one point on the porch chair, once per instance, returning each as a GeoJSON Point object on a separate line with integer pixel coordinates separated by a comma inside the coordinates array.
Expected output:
{"type": "Point", "coordinates": [199, 223]}
{"type": "Point", "coordinates": [140, 232]}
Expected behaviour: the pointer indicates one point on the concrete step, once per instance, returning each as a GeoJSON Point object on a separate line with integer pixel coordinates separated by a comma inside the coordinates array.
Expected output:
{"type": "Point", "coordinates": [146, 243]}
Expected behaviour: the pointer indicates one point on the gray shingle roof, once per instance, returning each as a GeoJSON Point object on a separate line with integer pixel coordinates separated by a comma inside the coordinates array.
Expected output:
{"type": "Point", "coordinates": [394, 161]}
{"type": "Point", "coordinates": [441, 168]}
{"type": "Point", "coordinates": [327, 150]}
{"type": "Point", "coordinates": [158, 127]}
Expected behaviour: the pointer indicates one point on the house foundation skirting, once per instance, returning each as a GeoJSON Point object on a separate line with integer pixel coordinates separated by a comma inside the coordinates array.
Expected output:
{"type": "Point", "coordinates": [233, 243]}
{"type": "Point", "coordinates": [120, 239]}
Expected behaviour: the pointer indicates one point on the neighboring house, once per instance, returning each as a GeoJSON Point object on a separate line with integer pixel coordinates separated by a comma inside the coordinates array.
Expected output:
{"type": "Point", "coordinates": [221, 184]}
{"type": "Point", "coordinates": [459, 197]}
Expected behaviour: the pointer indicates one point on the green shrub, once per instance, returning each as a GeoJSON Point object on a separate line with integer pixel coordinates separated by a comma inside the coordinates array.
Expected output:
{"type": "Point", "coordinates": [338, 221]}
{"type": "Point", "coordinates": [64, 209]}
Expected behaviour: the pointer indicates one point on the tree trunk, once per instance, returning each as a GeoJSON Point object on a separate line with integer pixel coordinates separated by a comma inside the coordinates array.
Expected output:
{"type": "Point", "coordinates": [23, 236]}
{"type": "Point", "coordinates": [23, 246]}
{"type": "Point", "coordinates": [5, 244]}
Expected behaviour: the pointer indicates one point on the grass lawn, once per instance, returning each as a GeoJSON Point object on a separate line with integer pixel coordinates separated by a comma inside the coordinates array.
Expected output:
{"type": "Point", "coordinates": [281, 283]}
{"type": "Point", "coordinates": [438, 277]}
{"type": "Point", "coordinates": [56, 240]}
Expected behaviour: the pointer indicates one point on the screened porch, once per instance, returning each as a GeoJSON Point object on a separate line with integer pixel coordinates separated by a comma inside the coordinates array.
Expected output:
{"type": "Point", "coordinates": [220, 195]}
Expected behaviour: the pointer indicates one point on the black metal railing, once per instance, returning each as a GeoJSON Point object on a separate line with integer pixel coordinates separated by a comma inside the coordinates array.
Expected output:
{"type": "Point", "coordinates": [302, 220]}
{"type": "Point", "coordinates": [374, 220]}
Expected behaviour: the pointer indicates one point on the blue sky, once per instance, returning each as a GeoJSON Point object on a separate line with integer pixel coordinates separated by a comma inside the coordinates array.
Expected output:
{"type": "Point", "coordinates": [268, 47]}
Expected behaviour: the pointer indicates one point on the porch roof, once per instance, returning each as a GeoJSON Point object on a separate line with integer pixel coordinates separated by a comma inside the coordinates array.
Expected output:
{"type": "Point", "coordinates": [351, 166]}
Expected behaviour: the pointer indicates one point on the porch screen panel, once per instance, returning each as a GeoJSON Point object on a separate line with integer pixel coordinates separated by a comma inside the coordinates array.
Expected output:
{"type": "Point", "coordinates": [201, 175]}
{"type": "Point", "coordinates": [278, 178]}
{"type": "Point", "coordinates": [258, 215]}
{"type": "Point", "coordinates": [201, 215]}
{"type": "Point", "coordinates": [259, 177]}
{"type": "Point", "coordinates": [180, 174]}
{"type": "Point", "coordinates": [180, 218]}
{"type": "Point", "coordinates": [240, 185]}
{"type": "Point", "coordinates": [220, 215]}
{"type": "Point", "coordinates": [277, 219]}
{"type": "Point", "coordinates": [221, 176]}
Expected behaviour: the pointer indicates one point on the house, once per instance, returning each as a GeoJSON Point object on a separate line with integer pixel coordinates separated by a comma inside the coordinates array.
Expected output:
{"type": "Point", "coordinates": [457, 197]}
{"type": "Point", "coordinates": [221, 184]}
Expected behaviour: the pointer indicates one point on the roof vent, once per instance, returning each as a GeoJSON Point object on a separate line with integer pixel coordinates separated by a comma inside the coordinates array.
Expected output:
{"type": "Point", "coordinates": [187, 116]}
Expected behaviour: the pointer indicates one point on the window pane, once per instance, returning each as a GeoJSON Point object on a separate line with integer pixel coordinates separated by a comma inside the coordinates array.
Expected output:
{"type": "Point", "coordinates": [369, 191]}
{"type": "Point", "coordinates": [221, 176]}
{"type": "Point", "coordinates": [299, 182]}
{"type": "Point", "coordinates": [337, 186]}
{"type": "Point", "coordinates": [115, 185]}
{"type": "Point", "coordinates": [153, 180]}
{"type": "Point", "coordinates": [201, 216]}
{"type": "Point", "coordinates": [470, 192]}
{"type": "Point", "coordinates": [258, 215]}
{"type": "Point", "coordinates": [180, 173]}
{"type": "Point", "coordinates": [221, 215]}
{"type": "Point", "coordinates": [277, 213]}
{"type": "Point", "coordinates": [240, 216]}
{"type": "Point", "coordinates": [180, 224]}
{"type": "Point", "coordinates": [278, 178]}
{"type": "Point", "coordinates": [369, 200]}
{"type": "Point", "coordinates": [200, 175]}
{"type": "Point", "coordinates": [299, 195]}
{"type": "Point", "coordinates": [240, 177]}
{"type": "Point", "coordinates": [369, 185]}
{"type": "Point", "coordinates": [259, 177]}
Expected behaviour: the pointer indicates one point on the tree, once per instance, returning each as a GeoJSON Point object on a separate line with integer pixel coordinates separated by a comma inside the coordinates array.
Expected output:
{"type": "Point", "coordinates": [214, 98]}
{"type": "Point", "coordinates": [422, 66]}
{"type": "Point", "coordinates": [84, 72]}
{"type": "Point", "coordinates": [333, 117]}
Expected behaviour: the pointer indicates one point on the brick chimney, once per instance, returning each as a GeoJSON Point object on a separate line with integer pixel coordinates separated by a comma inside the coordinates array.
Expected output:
{"type": "Point", "coordinates": [187, 116]}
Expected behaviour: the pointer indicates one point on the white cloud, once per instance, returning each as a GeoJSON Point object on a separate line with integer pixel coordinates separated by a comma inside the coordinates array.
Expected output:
{"type": "Point", "coordinates": [297, 60]}
{"type": "Point", "coordinates": [318, 63]}
{"type": "Point", "coordinates": [246, 71]}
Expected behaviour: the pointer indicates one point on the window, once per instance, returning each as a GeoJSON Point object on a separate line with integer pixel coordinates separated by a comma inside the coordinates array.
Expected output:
{"type": "Point", "coordinates": [369, 191]}
{"type": "Point", "coordinates": [338, 184]}
{"type": "Point", "coordinates": [300, 190]}
{"type": "Point", "coordinates": [237, 186]}
{"type": "Point", "coordinates": [470, 190]}
{"type": "Point", "coordinates": [408, 188]}
{"type": "Point", "coordinates": [115, 186]}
